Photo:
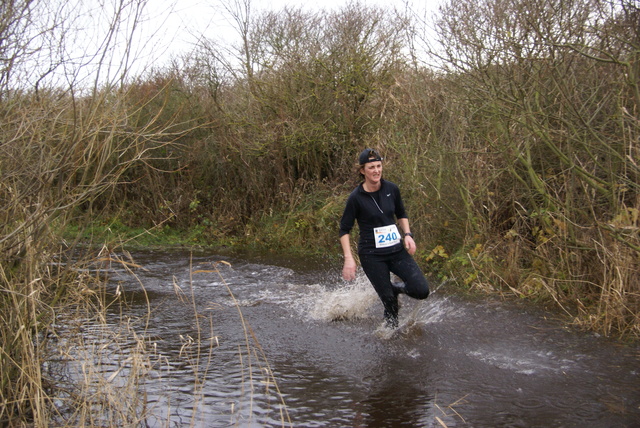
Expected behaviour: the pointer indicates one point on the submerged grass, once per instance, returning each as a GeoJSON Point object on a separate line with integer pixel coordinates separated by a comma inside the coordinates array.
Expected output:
{"type": "Point", "coordinates": [92, 363]}
{"type": "Point", "coordinates": [253, 354]}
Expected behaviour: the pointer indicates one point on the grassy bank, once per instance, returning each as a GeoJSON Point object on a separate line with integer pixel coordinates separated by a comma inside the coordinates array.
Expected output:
{"type": "Point", "coordinates": [517, 153]}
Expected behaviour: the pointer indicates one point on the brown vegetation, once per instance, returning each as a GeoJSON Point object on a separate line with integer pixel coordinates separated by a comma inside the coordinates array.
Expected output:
{"type": "Point", "coordinates": [516, 148]}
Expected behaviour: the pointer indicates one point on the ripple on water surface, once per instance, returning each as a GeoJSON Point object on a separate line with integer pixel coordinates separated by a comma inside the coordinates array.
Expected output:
{"type": "Point", "coordinates": [467, 363]}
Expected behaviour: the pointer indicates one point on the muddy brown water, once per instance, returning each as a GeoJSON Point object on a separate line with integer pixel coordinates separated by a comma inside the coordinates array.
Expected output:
{"type": "Point", "coordinates": [453, 362]}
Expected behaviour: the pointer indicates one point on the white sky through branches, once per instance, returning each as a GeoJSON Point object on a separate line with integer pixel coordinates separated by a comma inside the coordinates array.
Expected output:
{"type": "Point", "coordinates": [86, 44]}
{"type": "Point", "coordinates": [177, 25]}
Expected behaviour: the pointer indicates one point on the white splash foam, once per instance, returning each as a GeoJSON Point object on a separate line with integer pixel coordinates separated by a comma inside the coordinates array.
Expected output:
{"type": "Point", "coordinates": [348, 302]}
{"type": "Point", "coordinates": [436, 310]}
{"type": "Point", "coordinates": [523, 364]}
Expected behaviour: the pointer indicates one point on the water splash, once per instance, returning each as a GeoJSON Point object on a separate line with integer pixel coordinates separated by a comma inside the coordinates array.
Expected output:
{"type": "Point", "coordinates": [348, 302]}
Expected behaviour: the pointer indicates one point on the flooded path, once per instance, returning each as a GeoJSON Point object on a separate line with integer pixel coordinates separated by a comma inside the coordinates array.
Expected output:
{"type": "Point", "coordinates": [453, 362]}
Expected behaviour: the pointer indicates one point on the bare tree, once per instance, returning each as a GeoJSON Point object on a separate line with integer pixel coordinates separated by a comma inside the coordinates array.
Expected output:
{"type": "Point", "coordinates": [66, 137]}
{"type": "Point", "coordinates": [548, 87]}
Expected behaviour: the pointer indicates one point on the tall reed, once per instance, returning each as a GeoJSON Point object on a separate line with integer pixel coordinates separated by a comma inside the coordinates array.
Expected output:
{"type": "Point", "coordinates": [64, 149]}
{"type": "Point", "coordinates": [103, 359]}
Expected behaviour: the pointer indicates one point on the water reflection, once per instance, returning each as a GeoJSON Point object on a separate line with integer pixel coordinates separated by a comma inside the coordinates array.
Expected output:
{"type": "Point", "coordinates": [395, 399]}
{"type": "Point", "coordinates": [453, 362]}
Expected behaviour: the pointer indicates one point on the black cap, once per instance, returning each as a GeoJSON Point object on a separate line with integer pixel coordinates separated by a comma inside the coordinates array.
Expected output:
{"type": "Point", "coordinates": [369, 155]}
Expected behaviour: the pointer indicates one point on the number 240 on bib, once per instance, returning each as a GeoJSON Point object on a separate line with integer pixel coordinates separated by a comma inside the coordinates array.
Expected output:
{"type": "Point", "coordinates": [386, 236]}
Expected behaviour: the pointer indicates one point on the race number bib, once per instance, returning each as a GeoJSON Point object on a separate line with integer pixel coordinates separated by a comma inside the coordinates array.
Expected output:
{"type": "Point", "coordinates": [386, 236]}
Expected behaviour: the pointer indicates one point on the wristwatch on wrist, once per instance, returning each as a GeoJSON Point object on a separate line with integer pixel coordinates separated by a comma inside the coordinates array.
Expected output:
{"type": "Point", "coordinates": [409, 234]}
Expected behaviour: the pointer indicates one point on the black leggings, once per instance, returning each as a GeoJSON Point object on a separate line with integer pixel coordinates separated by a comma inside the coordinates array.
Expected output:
{"type": "Point", "coordinates": [378, 269]}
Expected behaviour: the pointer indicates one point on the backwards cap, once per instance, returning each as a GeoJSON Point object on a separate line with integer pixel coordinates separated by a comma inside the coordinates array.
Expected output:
{"type": "Point", "coordinates": [369, 155]}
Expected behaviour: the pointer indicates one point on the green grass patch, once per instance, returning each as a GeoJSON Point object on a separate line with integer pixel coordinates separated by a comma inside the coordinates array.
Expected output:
{"type": "Point", "coordinates": [113, 231]}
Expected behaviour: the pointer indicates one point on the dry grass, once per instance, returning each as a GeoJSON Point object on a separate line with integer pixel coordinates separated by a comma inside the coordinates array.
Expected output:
{"type": "Point", "coordinates": [92, 365]}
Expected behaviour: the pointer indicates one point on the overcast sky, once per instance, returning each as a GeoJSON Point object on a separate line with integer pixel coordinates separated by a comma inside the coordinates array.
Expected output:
{"type": "Point", "coordinates": [89, 54]}
{"type": "Point", "coordinates": [177, 24]}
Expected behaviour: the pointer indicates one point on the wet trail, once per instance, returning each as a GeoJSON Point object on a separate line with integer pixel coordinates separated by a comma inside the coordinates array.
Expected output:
{"type": "Point", "coordinates": [453, 362]}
